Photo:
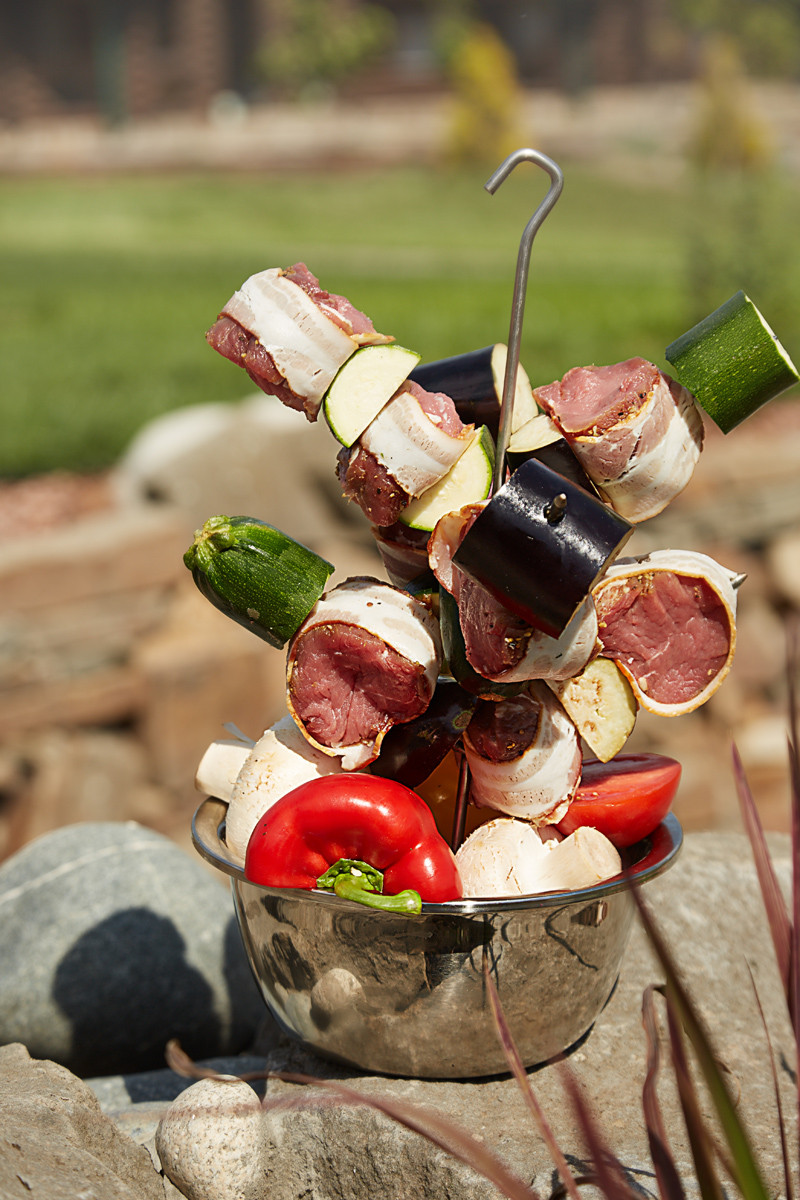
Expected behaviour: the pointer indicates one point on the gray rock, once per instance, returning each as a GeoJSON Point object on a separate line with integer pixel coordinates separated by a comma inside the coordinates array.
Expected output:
{"type": "Point", "coordinates": [210, 458]}
{"type": "Point", "coordinates": [708, 907]}
{"type": "Point", "coordinates": [119, 1093]}
{"type": "Point", "coordinates": [56, 1143]}
{"type": "Point", "coordinates": [139, 1122]}
{"type": "Point", "coordinates": [112, 941]}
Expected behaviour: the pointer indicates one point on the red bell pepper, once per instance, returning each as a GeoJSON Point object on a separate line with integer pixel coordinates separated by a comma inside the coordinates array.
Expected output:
{"type": "Point", "coordinates": [377, 824]}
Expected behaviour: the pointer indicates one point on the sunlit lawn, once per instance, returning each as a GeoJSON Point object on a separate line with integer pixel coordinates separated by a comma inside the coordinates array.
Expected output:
{"type": "Point", "coordinates": [108, 285]}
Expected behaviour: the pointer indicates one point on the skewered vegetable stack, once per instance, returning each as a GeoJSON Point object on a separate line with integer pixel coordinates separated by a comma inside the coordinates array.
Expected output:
{"type": "Point", "coordinates": [510, 631]}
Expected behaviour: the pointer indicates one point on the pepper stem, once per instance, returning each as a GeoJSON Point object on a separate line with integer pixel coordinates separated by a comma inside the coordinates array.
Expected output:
{"type": "Point", "coordinates": [355, 880]}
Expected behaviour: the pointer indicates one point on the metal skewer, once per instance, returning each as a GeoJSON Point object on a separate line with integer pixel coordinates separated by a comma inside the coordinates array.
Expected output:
{"type": "Point", "coordinates": [520, 286]}
{"type": "Point", "coordinates": [462, 798]}
{"type": "Point", "coordinates": [510, 384]}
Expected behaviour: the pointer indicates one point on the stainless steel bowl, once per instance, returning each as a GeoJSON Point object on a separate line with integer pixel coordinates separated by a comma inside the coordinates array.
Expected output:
{"type": "Point", "coordinates": [405, 995]}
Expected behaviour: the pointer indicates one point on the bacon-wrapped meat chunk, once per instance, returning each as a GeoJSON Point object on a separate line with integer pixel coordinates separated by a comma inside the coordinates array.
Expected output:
{"type": "Point", "coordinates": [636, 432]}
{"type": "Point", "coordinates": [366, 658]}
{"type": "Point", "coordinates": [668, 621]}
{"type": "Point", "coordinates": [410, 446]}
{"type": "Point", "coordinates": [290, 335]}
{"type": "Point", "coordinates": [524, 756]}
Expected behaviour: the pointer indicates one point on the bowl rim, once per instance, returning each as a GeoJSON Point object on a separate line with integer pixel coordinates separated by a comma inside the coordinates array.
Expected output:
{"type": "Point", "coordinates": [643, 862]}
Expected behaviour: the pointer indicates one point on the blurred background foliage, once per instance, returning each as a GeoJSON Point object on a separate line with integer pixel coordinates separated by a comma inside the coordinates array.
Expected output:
{"type": "Point", "coordinates": [109, 281]}
{"type": "Point", "coordinates": [485, 125]}
{"type": "Point", "coordinates": [315, 45]}
{"type": "Point", "coordinates": [767, 32]}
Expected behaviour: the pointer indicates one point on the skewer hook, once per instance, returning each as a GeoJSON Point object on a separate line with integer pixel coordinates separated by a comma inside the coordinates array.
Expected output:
{"type": "Point", "coordinates": [510, 383]}
{"type": "Point", "coordinates": [520, 286]}
{"type": "Point", "coordinates": [462, 799]}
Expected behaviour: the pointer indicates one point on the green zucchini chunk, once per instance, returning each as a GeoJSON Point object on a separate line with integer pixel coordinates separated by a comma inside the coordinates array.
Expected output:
{"type": "Point", "coordinates": [256, 575]}
{"type": "Point", "coordinates": [732, 362]}
{"type": "Point", "coordinates": [468, 481]}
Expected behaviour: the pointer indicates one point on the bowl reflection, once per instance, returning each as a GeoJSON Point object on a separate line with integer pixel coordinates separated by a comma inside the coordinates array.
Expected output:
{"type": "Point", "coordinates": [406, 995]}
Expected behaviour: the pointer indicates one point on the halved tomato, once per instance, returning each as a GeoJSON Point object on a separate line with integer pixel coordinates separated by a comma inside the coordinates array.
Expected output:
{"type": "Point", "coordinates": [625, 798]}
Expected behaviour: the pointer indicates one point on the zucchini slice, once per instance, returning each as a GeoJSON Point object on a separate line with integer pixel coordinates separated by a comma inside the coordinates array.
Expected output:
{"type": "Point", "coordinates": [468, 481]}
{"type": "Point", "coordinates": [542, 439]}
{"type": "Point", "coordinates": [601, 704]}
{"type": "Point", "coordinates": [363, 385]}
{"type": "Point", "coordinates": [732, 362]}
{"type": "Point", "coordinates": [256, 575]}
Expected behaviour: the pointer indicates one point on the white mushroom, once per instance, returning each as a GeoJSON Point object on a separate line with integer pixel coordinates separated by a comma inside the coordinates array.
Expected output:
{"type": "Point", "coordinates": [581, 860]}
{"type": "Point", "coordinates": [219, 766]}
{"type": "Point", "coordinates": [507, 857]}
{"type": "Point", "coordinates": [500, 858]}
{"type": "Point", "coordinates": [281, 760]}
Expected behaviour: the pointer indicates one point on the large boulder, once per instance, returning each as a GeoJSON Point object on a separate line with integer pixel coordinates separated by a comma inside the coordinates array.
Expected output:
{"type": "Point", "coordinates": [707, 906]}
{"type": "Point", "coordinates": [256, 457]}
{"type": "Point", "coordinates": [114, 940]}
{"type": "Point", "coordinates": [56, 1142]}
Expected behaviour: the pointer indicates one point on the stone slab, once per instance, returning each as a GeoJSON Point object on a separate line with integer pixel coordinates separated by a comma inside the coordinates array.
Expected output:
{"type": "Point", "coordinates": [707, 906]}
{"type": "Point", "coordinates": [116, 550]}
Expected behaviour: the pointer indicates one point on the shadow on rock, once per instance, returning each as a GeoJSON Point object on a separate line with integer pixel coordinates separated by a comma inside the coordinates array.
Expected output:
{"type": "Point", "coordinates": [245, 1004]}
{"type": "Point", "coordinates": [127, 988]}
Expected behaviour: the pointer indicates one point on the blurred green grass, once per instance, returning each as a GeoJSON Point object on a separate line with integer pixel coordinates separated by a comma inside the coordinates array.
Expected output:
{"type": "Point", "coordinates": [108, 285]}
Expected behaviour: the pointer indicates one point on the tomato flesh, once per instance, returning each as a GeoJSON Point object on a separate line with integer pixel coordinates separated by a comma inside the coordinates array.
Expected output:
{"type": "Point", "coordinates": [625, 798]}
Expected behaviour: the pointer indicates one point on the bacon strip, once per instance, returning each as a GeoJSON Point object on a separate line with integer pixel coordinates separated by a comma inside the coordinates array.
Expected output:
{"type": "Point", "coordinates": [411, 444]}
{"type": "Point", "coordinates": [290, 335]}
{"type": "Point", "coordinates": [636, 432]}
{"type": "Point", "coordinates": [524, 756]}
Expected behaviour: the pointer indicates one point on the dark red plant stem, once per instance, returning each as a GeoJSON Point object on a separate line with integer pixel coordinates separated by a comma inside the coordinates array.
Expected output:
{"type": "Point", "coordinates": [669, 1183]}
{"type": "Point", "coordinates": [787, 1169]}
{"type": "Point", "coordinates": [699, 1140]}
{"type": "Point", "coordinates": [521, 1076]}
{"type": "Point", "coordinates": [792, 660]}
{"type": "Point", "coordinates": [775, 908]}
{"type": "Point", "coordinates": [608, 1170]}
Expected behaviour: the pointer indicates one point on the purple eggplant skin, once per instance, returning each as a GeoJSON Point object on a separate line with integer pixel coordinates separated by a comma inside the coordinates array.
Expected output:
{"type": "Point", "coordinates": [559, 457]}
{"type": "Point", "coordinates": [469, 380]}
{"type": "Point", "coordinates": [392, 541]}
{"type": "Point", "coordinates": [412, 751]}
{"type": "Point", "coordinates": [540, 544]}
